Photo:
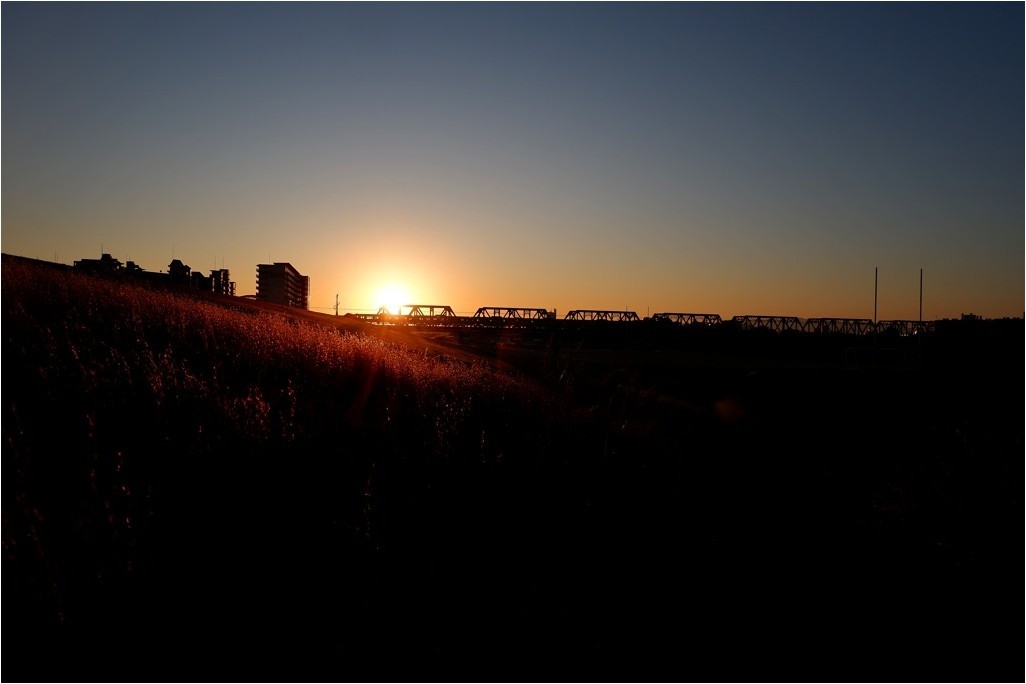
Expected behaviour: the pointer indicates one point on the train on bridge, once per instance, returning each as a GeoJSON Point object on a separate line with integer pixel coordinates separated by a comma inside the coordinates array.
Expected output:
{"type": "Point", "coordinates": [525, 318]}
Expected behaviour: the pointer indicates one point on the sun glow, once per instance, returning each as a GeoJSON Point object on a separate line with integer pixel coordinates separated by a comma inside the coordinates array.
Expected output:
{"type": "Point", "coordinates": [392, 296]}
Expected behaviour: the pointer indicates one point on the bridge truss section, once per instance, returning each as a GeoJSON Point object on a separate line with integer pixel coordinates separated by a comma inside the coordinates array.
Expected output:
{"type": "Point", "coordinates": [905, 328]}
{"type": "Point", "coordinates": [601, 315]}
{"type": "Point", "coordinates": [514, 312]}
{"type": "Point", "coordinates": [777, 324]}
{"type": "Point", "coordinates": [840, 326]}
{"type": "Point", "coordinates": [689, 318]}
{"type": "Point", "coordinates": [427, 311]}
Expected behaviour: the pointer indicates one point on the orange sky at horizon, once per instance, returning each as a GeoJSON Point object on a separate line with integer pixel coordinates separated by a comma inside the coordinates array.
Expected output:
{"type": "Point", "coordinates": [679, 157]}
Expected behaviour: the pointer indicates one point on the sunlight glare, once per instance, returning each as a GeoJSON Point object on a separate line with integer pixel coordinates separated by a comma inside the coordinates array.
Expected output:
{"type": "Point", "coordinates": [392, 297]}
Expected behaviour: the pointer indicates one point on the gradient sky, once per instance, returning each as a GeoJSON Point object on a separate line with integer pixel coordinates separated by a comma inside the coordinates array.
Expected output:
{"type": "Point", "coordinates": [672, 157]}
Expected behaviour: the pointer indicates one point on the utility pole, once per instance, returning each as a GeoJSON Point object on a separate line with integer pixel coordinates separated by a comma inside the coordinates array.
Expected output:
{"type": "Point", "coordinates": [920, 295]}
{"type": "Point", "coordinates": [336, 303]}
{"type": "Point", "coordinates": [876, 289]}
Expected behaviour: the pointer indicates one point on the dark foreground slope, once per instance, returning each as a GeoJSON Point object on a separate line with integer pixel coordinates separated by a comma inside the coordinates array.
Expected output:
{"type": "Point", "coordinates": [175, 471]}
{"type": "Point", "coordinates": [182, 480]}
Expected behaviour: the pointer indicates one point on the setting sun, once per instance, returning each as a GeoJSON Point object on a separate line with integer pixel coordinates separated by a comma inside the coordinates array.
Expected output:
{"type": "Point", "coordinates": [392, 297]}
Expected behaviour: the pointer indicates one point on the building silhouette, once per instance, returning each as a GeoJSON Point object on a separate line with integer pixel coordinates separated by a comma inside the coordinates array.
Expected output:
{"type": "Point", "coordinates": [221, 282]}
{"type": "Point", "coordinates": [105, 264]}
{"type": "Point", "coordinates": [281, 283]}
{"type": "Point", "coordinates": [179, 272]}
{"type": "Point", "coordinates": [200, 282]}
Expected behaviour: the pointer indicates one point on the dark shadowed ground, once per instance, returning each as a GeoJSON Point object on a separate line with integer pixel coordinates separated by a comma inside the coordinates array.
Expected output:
{"type": "Point", "coordinates": [184, 481]}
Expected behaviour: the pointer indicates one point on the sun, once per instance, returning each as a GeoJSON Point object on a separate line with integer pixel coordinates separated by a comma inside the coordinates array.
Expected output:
{"type": "Point", "coordinates": [392, 296]}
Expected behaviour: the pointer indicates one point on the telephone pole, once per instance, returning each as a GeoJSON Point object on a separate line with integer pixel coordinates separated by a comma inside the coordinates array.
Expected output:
{"type": "Point", "coordinates": [336, 303]}
{"type": "Point", "coordinates": [876, 289]}
{"type": "Point", "coordinates": [920, 295]}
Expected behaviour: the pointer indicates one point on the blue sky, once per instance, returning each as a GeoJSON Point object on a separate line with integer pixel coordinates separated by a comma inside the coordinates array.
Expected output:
{"type": "Point", "coordinates": [671, 157]}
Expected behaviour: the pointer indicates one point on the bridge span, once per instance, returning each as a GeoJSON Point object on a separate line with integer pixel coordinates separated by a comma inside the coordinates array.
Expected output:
{"type": "Point", "coordinates": [525, 318]}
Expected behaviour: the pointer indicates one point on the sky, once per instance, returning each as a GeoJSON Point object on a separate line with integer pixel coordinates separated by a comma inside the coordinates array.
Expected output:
{"type": "Point", "coordinates": [725, 158]}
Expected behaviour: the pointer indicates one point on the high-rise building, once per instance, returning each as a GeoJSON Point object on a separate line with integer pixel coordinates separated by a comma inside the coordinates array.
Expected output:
{"type": "Point", "coordinates": [281, 283]}
{"type": "Point", "coordinates": [222, 282]}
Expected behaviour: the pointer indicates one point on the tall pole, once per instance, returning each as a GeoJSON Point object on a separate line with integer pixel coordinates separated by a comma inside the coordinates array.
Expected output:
{"type": "Point", "coordinates": [920, 295]}
{"type": "Point", "coordinates": [336, 303]}
{"type": "Point", "coordinates": [876, 289]}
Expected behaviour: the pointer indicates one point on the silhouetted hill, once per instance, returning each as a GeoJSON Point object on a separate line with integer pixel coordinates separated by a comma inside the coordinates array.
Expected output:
{"type": "Point", "coordinates": [178, 470]}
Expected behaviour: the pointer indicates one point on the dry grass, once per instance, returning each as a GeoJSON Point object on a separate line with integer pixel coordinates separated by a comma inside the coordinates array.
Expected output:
{"type": "Point", "coordinates": [136, 420]}
{"type": "Point", "coordinates": [176, 467]}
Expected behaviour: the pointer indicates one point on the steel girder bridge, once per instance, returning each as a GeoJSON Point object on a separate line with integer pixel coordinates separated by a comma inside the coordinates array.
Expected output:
{"type": "Point", "coordinates": [840, 326]}
{"type": "Point", "coordinates": [601, 315]}
{"type": "Point", "coordinates": [512, 317]}
{"type": "Point", "coordinates": [905, 328]}
{"type": "Point", "coordinates": [777, 324]}
{"type": "Point", "coordinates": [833, 326]}
{"type": "Point", "coordinates": [412, 314]}
{"type": "Point", "coordinates": [689, 318]}
{"type": "Point", "coordinates": [513, 312]}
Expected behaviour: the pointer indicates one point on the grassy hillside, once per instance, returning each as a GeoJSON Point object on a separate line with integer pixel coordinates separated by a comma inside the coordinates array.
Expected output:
{"type": "Point", "coordinates": [169, 462]}
{"type": "Point", "coordinates": [176, 471]}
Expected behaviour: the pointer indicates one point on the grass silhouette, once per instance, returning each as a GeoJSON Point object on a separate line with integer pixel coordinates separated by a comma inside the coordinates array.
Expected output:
{"type": "Point", "coordinates": [177, 469]}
